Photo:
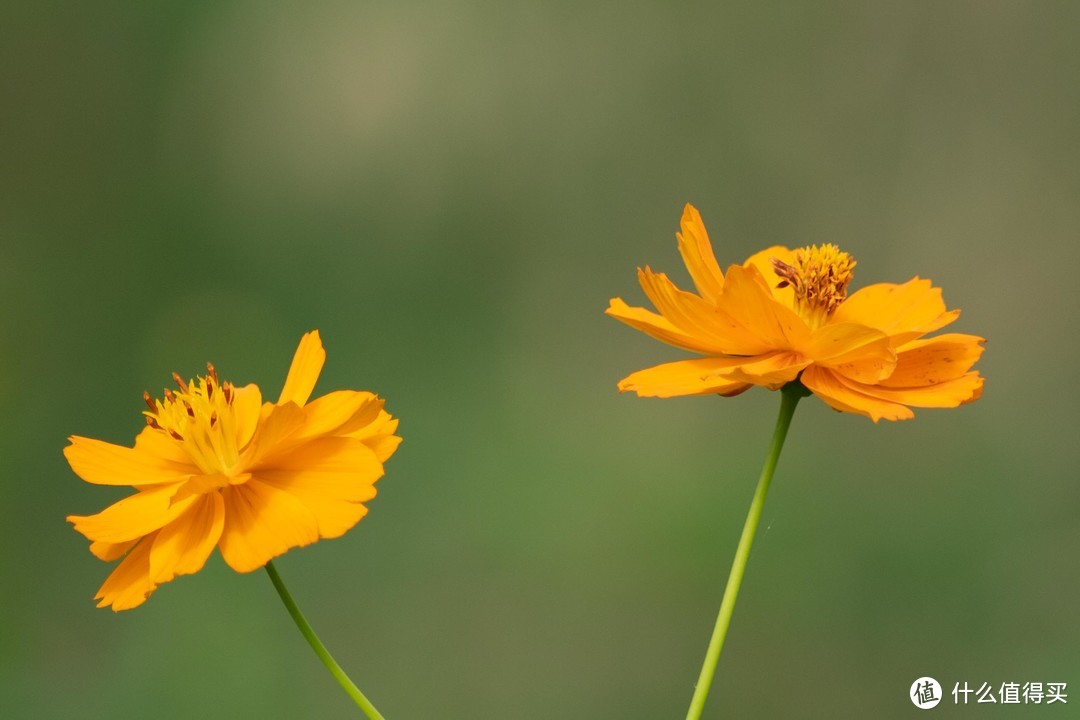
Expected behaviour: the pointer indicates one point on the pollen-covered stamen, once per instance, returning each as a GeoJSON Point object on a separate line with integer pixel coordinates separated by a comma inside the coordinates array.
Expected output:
{"type": "Point", "coordinates": [819, 278]}
{"type": "Point", "coordinates": [201, 419]}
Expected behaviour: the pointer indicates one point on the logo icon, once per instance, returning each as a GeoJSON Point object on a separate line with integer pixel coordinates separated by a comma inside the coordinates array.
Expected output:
{"type": "Point", "coordinates": [925, 693]}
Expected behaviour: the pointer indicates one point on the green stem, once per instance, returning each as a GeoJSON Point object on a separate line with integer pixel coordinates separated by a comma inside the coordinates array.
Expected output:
{"type": "Point", "coordinates": [789, 398]}
{"type": "Point", "coordinates": [319, 648]}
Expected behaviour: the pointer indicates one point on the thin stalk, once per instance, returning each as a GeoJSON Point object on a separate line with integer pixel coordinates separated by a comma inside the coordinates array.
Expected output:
{"type": "Point", "coordinates": [789, 398]}
{"type": "Point", "coordinates": [320, 649]}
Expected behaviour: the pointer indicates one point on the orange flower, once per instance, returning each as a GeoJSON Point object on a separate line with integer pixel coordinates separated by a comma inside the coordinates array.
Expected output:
{"type": "Point", "coordinates": [785, 315]}
{"type": "Point", "coordinates": [218, 467]}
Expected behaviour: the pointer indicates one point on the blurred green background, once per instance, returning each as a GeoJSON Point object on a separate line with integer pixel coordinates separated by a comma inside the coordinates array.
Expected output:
{"type": "Point", "coordinates": [450, 193]}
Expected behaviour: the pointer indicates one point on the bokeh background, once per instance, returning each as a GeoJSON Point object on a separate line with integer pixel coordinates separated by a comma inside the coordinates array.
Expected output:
{"type": "Point", "coordinates": [451, 192]}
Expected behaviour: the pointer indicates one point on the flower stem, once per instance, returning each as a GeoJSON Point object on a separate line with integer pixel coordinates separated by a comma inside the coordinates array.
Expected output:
{"type": "Point", "coordinates": [319, 648]}
{"type": "Point", "coordinates": [789, 398]}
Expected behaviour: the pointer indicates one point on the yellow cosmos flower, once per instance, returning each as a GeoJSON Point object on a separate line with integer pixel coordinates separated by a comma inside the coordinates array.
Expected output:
{"type": "Point", "coordinates": [216, 466]}
{"type": "Point", "coordinates": [785, 314]}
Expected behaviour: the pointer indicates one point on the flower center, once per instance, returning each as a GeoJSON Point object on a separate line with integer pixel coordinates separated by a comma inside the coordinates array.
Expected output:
{"type": "Point", "coordinates": [199, 416]}
{"type": "Point", "coordinates": [819, 277]}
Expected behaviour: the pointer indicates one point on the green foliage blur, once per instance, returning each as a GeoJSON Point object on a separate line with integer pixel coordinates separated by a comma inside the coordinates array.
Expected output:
{"type": "Point", "coordinates": [450, 193]}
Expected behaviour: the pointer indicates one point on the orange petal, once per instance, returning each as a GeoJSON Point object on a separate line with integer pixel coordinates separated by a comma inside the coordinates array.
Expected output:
{"type": "Point", "coordinates": [304, 372]}
{"type": "Point", "coordinates": [111, 551]}
{"type": "Point", "coordinates": [103, 463]}
{"type": "Point", "coordinates": [200, 485]}
{"type": "Point", "coordinates": [339, 413]}
{"type": "Point", "coordinates": [697, 254]}
{"type": "Point", "coordinates": [772, 371]}
{"type": "Point", "coordinates": [182, 546]}
{"type": "Point", "coordinates": [131, 518]}
{"type": "Point", "coordinates": [935, 360]}
{"type": "Point", "coordinates": [947, 394]}
{"type": "Point", "coordinates": [262, 522]}
{"type": "Point", "coordinates": [829, 386]}
{"type": "Point", "coordinates": [890, 403]}
{"type": "Point", "coordinates": [703, 376]}
{"type": "Point", "coordinates": [658, 327]}
{"type": "Point", "coordinates": [904, 311]}
{"type": "Point", "coordinates": [274, 433]}
{"type": "Point", "coordinates": [765, 324]}
{"type": "Point", "coordinates": [129, 584]}
{"type": "Point", "coordinates": [379, 435]}
{"type": "Point", "coordinates": [157, 444]}
{"type": "Point", "coordinates": [857, 351]}
{"type": "Point", "coordinates": [686, 311]}
{"type": "Point", "coordinates": [330, 476]}
{"type": "Point", "coordinates": [247, 407]}
{"type": "Point", "coordinates": [342, 467]}
{"type": "Point", "coordinates": [763, 262]}
{"type": "Point", "coordinates": [335, 516]}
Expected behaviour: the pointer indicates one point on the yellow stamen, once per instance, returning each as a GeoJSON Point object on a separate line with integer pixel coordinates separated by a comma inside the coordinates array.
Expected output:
{"type": "Point", "coordinates": [819, 277]}
{"type": "Point", "coordinates": [201, 420]}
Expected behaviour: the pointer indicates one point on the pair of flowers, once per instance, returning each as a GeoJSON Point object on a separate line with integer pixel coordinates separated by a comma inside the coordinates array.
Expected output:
{"type": "Point", "coordinates": [218, 467]}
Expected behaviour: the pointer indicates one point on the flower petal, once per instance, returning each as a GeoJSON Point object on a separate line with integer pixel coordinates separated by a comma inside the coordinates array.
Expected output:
{"type": "Point", "coordinates": [102, 463]}
{"type": "Point", "coordinates": [247, 408]}
{"type": "Point", "coordinates": [157, 444]}
{"type": "Point", "coordinates": [330, 476]}
{"type": "Point", "coordinates": [342, 467]}
{"type": "Point", "coordinates": [890, 403]}
{"type": "Point", "coordinates": [339, 413]}
{"type": "Point", "coordinates": [857, 351]}
{"type": "Point", "coordinates": [304, 372]}
{"type": "Point", "coordinates": [828, 386]}
{"type": "Point", "coordinates": [772, 371]}
{"type": "Point", "coordinates": [347, 413]}
{"type": "Point", "coordinates": [686, 311]}
{"type": "Point", "coordinates": [765, 324]}
{"type": "Point", "coordinates": [904, 311]}
{"type": "Point", "coordinates": [379, 435]}
{"type": "Point", "coordinates": [129, 584]}
{"type": "Point", "coordinates": [111, 551]}
{"type": "Point", "coordinates": [278, 425]}
{"type": "Point", "coordinates": [182, 546]}
{"type": "Point", "coordinates": [262, 522]}
{"type": "Point", "coordinates": [935, 360]}
{"type": "Point", "coordinates": [701, 376]}
{"type": "Point", "coordinates": [763, 262]}
{"type": "Point", "coordinates": [697, 254]}
{"type": "Point", "coordinates": [134, 516]}
{"type": "Point", "coordinates": [657, 326]}
{"type": "Point", "coordinates": [947, 394]}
